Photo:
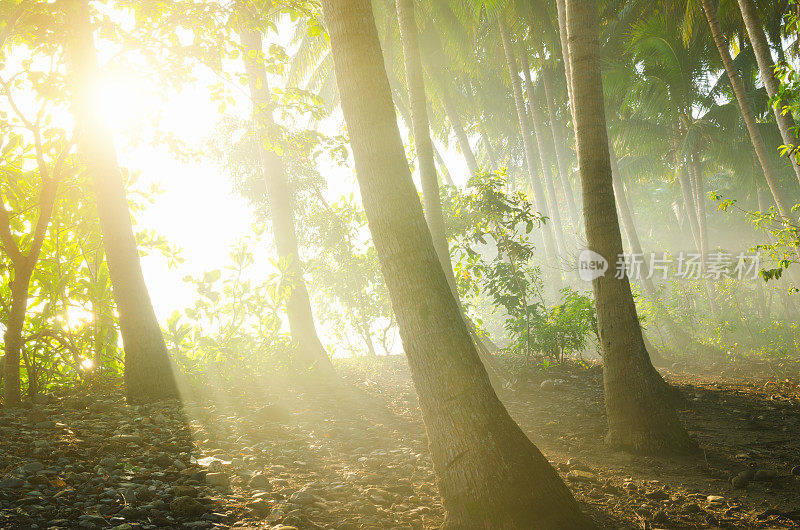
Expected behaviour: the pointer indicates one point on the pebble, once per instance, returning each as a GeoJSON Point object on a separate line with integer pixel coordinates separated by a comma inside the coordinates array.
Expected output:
{"type": "Point", "coordinates": [186, 507]}
{"type": "Point", "coordinates": [220, 480]}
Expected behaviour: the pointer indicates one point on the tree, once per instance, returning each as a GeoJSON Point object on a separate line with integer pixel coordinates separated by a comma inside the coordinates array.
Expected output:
{"type": "Point", "coordinates": [490, 475]}
{"type": "Point", "coordinates": [758, 38]}
{"type": "Point", "coordinates": [311, 352]}
{"type": "Point", "coordinates": [747, 112]}
{"type": "Point", "coordinates": [639, 416]}
{"type": "Point", "coordinates": [148, 370]}
{"type": "Point", "coordinates": [525, 132]}
{"type": "Point", "coordinates": [22, 262]}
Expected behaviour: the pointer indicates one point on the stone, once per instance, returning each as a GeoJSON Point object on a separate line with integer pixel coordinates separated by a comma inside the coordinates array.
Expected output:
{"type": "Point", "coordinates": [217, 479]}
{"type": "Point", "coordinates": [577, 475]}
{"type": "Point", "coordinates": [259, 507]}
{"type": "Point", "coordinates": [185, 491]}
{"type": "Point", "coordinates": [11, 483]}
{"type": "Point", "coordinates": [715, 499]}
{"type": "Point", "coordinates": [742, 479]}
{"type": "Point", "coordinates": [260, 481]}
{"type": "Point", "coordinates": [302, 498]}
{"type": "Point", "coordinates": [186, 507]}
{"type": "Point", "coordinates": [163, 460]}
{"type": "Point", "coordinates": [764, 475]}
{"type": "Point", "coordinates": [32, 467]}
{"type": "Point", "coordinates": [657, 495]}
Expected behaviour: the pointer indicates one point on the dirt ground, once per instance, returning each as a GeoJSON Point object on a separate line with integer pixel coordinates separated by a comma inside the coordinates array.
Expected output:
{"type": "Point", "coordinates": [271, 456]}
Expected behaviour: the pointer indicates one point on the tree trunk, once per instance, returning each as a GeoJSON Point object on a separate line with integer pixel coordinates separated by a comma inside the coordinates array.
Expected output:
{"type": "Point", "coordinates": [13, 335]}
{"type": "Point", "coordinates": [688, 197]}
{"type": "Point", "coordinates": [430, 184]}
{"type": "Point", "coordinates": [310, 351]}
{"type": "Point", "coordinates": [440, 72]}
{"type": "Point", "coordinates": [525, 131]}
{"type": "Point", "coordinates": [547, 174]}
{"type": "Point", "coordinates": [561, 8]}
{"type": "Point", "coordinates": [561, 155]}
{"type": "Point", "coordinates": [747, 113]}
{"type": "Point", "coordinates": [639, 417]}
{"type": "Point", "coordinates": [420, 128]}
{"type": "Point", "coordinates": [458, 129]}
{"type": "Point", "coordinates": [148, 370]}
{"type": "Point", "coordinates": [489, 473]}
{"type": "Point", "coordinates": [758, 39]}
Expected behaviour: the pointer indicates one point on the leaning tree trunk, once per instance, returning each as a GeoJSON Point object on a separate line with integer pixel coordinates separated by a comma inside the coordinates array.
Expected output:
{"type": "Point", "coordinates": [525, 131]}
{"type": "Point", "coordinates": [430, 184]}
{"type": "Point", "coordinates": [560, 149]}
{"type": "Point", "coordinates": [148, 369]}
{"type": "Point", "coordinates": [747, 112]}
{"type": "Point", "coordinates": [310, 351]}
{"type": "Point", "coordinates": [758, 38]}
{"type": "Point", "coordinates": [547, 173]}
{"type": "Point", "coordinates": [639, 417]}
{"type": "Point", "coordinates": [489, 473]}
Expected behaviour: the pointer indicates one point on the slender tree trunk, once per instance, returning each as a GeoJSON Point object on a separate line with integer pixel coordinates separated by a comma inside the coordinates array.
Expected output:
{"type": "Point", "coordinates": [446, 176]}
{"type": "Point", "coordinates": [561, 8]}
{"type": "Point", "coordinates": [458, 129]}
{"type": "Point", "coordinates": [430, 184]}
{"type": "Point", "coordinates": [561, 155]}
{"type": "Point", "coordinates": [747, 113]}
{"type": "Point", "coordinates": [695, 174]}
{"type": "Point", "coordinates": [688, 197]}
{"type": "Point", "coordinates": [439, 71]}
{"type": "Point", "coordinates": [639, 417]}
{"type": "Point", "coordinates": [547, 173]}
{"type": "Point", "coordinates": [489, 473]}
{"type": "Point", "coordinates": [525, 131]}
{"type": "Point", "coordinates": [148, 370]}
{"type": "Point", "coordinates": [13, 334]}
{"type": "Point", "coordinates": [310, 351]}
{"type": "Point", "coordinates": [758, 38]}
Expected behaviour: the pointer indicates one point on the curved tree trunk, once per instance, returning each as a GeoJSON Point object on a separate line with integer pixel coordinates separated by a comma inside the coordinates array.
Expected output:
{"type": "Point", "coordinates": [747, 113]}
{"type": "Point", "coordinates": [547, 173]}
{"type": "Point", "coordinates": [148, 369]}
{"type": "Point", "coordinates": [758, 38]}
{"type": "Point", "coordinates": [525, 131]}
{"type": "Point", "coordinates": [489, 473]}
{"type": "Point", "coordinates": [639, 416]}
{"type": "Point", "coordinates": [561, 155]}
{"type": "Point", "coordinates": [310, 351]}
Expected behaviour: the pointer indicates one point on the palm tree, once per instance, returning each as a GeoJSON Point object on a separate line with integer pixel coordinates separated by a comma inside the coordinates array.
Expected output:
{"type": "Point", "coordinates": [310, 351]}
{"type": "Point", "coordinates": [525, 131]}
{"type": "Point", "coordinates": [747, 112]}
{"type": "Point", "coordinates": [544, 163]}
{"type": "Point", "coordinates": [639, 416]}
{"type": "Point", "coordinates": [489, 473]}
{"type": "Point", "coordinates": [148, 369]}
{"type": "Point", "coordinates": [758, 38]}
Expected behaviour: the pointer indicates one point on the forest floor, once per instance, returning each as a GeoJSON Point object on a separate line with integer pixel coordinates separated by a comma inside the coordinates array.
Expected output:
{"type": "Point", "coordinates": [333, 459]}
